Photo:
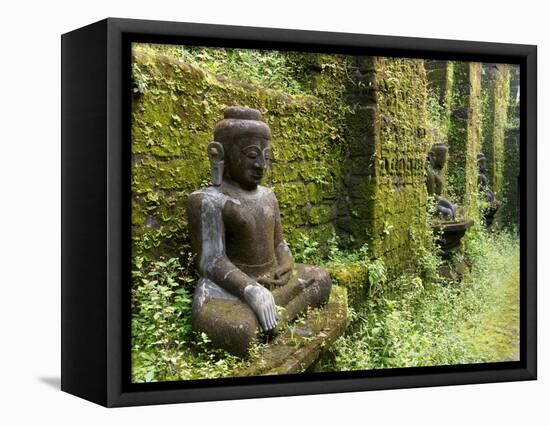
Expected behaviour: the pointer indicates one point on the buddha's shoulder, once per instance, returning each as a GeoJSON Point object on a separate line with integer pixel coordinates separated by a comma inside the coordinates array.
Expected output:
{"type": "Point", "coordinates": [219, 197]}
{"type": "Point", "coordinates": [209, 191]}
{"type": "Point", "coordinates": [211, 195]}
{"type": "Point", "coordinates": [266, 194]}
{"type": "Point", "coordinates": [265, 191]}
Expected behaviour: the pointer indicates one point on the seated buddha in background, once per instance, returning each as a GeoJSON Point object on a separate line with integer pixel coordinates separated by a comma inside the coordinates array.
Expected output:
{"type": "Point", "coordinates": [435, 180]}
{"type": "Point", "coordinates": [482, 181]}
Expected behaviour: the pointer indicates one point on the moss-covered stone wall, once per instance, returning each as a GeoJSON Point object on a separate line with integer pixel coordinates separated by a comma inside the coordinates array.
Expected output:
{"type": "Point", "coordinates": [496, 94]}
{"type": "Point", "coordinates": [363, 178]}
{"type": "Point", "coordinates": [508, 214]}
{"type": "Point", "coordinates": [175, 108]}
{"type": "Point", "coordinates": [440, 81]}
{"type": "Point", "coordinates": [464, 137]}
{"type": "Point", "coordinates": [387, 138]}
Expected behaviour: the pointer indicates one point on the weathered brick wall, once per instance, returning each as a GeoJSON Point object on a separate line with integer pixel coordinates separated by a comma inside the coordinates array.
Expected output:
{"type": "Point", "coordinates": [508, 215]}
{"type": "Point", "coordinates": [464, 137]}
{"type": "Point", "coordinates": [440, 81]}
{"type": "Point", "coordinates": [387, 198]}
{"type": "Point", "coordinates": [496, 91]}
{"type": "Point", "coordinates": [509, 212]}
{"type": "Point", "coordinates": [174, 111]}
{"type": "Point", "coordinates": [437, 73]}
{"type": "Point", "coordinates": [367, 182]}
{"type": "Point", "coordinates": [355, 208]}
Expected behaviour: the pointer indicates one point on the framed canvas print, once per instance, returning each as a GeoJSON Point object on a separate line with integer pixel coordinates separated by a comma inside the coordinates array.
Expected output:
{"type": "Point", "coordinates": [252, 212]}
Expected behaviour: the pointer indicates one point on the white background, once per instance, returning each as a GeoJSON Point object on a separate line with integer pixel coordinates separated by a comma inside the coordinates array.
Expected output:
{"type": "Point", "coordinates": [30, 212]}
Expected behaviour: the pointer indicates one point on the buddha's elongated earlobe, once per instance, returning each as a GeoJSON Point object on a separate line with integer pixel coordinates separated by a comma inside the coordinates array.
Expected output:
{"type": "Point", "coordinates": [215, 155]}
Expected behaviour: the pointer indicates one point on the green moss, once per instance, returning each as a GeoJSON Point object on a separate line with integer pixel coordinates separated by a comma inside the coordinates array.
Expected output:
{"type": "Point", "coordinates": [174, 114]}
{"type": "Point", "coordinates": [321, 213]}
{"type": "Point", "coordinates": [502, 98]}
{"type": "Point", "coordinates": [496, 96]}
{"type": "Point", "coordinates": [395, 199]}
{"type": "Point", "coordinates": [508, 214]}
{"type": "Point", "coordinates": [465, 137]}
{"type": "Point", "coordinates": [357, 170]}
{"type": "Point", "coordinates": [351, 276]}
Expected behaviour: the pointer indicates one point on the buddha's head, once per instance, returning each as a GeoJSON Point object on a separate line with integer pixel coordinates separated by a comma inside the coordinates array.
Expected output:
{"type": "Point", "coordinates": [242, 144]}
{"type": "Point", "coordinates": [438, 155]}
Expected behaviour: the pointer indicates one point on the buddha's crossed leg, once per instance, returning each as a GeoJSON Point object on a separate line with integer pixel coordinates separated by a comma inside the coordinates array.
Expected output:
{"type": "Point", "coordinates": [232, 325]}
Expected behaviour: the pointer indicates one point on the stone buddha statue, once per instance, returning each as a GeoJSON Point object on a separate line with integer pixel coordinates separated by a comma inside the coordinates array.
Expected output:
{"type": "Point", "coordinates": [435, 180]}
{"type": "Point", "coordinates": [482, 181]}
{"type": "Point", "coordinates": [247, 271]}
{"type": "Point", "coordinates": [490, 210]}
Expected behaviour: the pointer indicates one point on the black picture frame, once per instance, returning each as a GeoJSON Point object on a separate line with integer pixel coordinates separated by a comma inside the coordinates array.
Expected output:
{"type": "Point", "coordinates": [96, 207]}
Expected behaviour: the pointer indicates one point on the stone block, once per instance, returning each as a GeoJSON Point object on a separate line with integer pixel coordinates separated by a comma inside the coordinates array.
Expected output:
{"type": "Point", "coordinates": [303, 342]}
{"type": "Point", "coordinates": [320, 214]}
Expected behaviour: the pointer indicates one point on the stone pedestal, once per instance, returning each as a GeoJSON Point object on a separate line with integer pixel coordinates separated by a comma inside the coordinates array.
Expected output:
{"type": "Point", "coordinates": [490, 211]}
{"type": "Point", "coordinates": [450, 235]}
{"type": "Point", "coordinates": [303, 342]}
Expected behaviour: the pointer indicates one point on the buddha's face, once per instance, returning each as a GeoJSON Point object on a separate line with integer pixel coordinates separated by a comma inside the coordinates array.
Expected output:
{"type": "Point", "coordinates": [248, 159]}
{"type": "Point", "coordinates": [438, 156]}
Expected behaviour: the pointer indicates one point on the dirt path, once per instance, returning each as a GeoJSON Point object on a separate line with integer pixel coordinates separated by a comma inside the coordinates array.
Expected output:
{"type": "Point", "coordinates": [494, 333]}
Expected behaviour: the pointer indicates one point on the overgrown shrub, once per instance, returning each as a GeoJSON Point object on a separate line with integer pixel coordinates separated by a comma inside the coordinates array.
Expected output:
{"type": "Point", "coordinates": [163, 344]}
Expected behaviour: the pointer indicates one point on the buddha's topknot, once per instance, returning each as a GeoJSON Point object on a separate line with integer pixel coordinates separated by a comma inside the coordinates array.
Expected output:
{"type": "Point", "coordinates": [242, 113]}
{"type": "Point", "coordinates": [238, 122]}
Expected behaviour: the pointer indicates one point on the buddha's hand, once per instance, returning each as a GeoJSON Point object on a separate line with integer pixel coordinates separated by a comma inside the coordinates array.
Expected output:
{"type": "Point", "coordinates": [262, 303]}
{"type": "Point", "coordinates": [284, 271]}
{"type": "Point", "coordinates": [278, 277]}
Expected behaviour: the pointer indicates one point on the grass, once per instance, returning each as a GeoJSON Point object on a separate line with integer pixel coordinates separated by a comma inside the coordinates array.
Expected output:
{"type": "Point", "coordinates": [440, 323]}
{"type": "Point", "coordinates": [493, 334]}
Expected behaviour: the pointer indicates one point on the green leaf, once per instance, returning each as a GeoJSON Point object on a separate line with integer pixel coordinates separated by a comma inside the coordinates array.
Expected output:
{"type": "Point", "coordinates": [149, 376]}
